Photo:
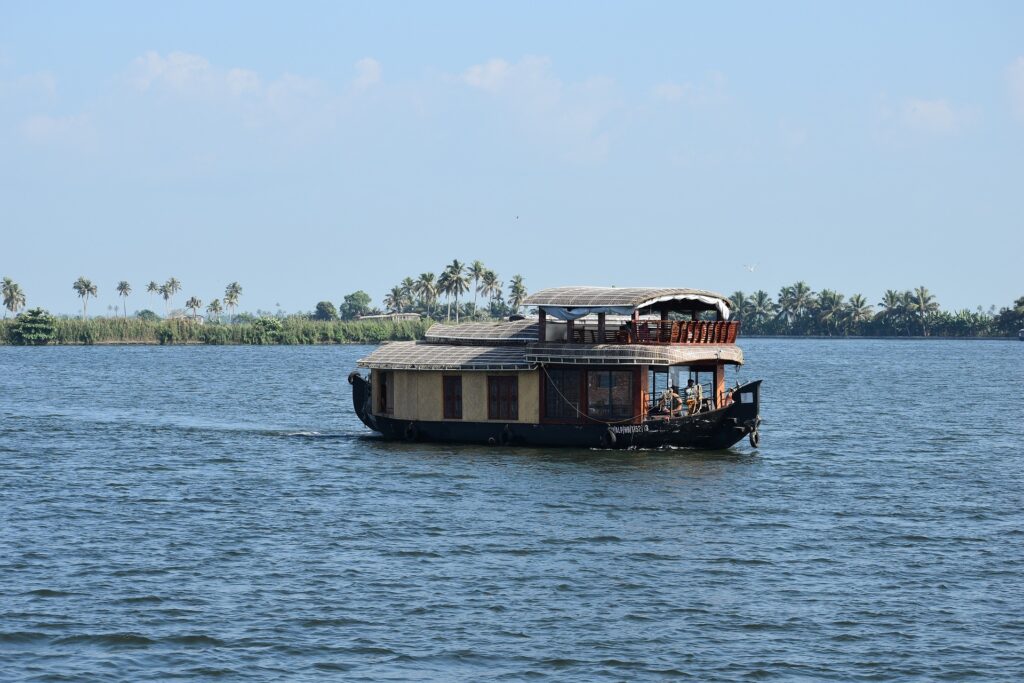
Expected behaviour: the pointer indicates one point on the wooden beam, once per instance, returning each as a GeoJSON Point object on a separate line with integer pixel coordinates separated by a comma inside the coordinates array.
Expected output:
{"type": "Point", "coordinates": [542, 324]}
{"type": "Point", "coordinates": [600, 328]}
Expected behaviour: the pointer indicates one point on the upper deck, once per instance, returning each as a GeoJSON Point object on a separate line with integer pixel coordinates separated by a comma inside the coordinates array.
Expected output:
{"type": "Point", "coordinates": [632, 315]}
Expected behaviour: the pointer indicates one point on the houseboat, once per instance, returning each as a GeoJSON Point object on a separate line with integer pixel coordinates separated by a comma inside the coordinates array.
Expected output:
{"type": "Point", "coordinates": [597, 367]}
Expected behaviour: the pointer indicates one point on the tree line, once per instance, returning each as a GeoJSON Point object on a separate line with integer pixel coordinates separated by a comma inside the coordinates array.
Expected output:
{"type": "Point", "coordinates": [800, 311]}
{"type": "Point", "coordinates": [423, 294]}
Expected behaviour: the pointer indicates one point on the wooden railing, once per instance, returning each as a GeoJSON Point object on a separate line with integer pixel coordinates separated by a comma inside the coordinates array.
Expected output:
{"type": "Point", "coordinates": [662, 332]}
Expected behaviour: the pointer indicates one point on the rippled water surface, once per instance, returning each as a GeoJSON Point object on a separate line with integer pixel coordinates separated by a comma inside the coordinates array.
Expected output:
{"type": "Point", "coordinates": [201, 512]}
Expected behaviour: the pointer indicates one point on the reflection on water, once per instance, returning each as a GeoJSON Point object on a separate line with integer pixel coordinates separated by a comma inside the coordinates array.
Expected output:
{"type": "Point", "coordinates": [220, 512]}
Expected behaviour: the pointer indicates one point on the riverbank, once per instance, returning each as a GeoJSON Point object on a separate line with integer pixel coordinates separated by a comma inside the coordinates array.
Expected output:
{"type": "Point", "coordinates": [289, 331]}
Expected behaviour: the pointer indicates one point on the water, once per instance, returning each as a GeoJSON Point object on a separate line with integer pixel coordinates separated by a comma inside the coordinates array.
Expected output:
{"type": "Point", "coordinates": [219, 512]}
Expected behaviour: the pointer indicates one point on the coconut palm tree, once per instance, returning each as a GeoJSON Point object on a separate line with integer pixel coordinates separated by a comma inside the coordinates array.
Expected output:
{"type": "Point", "coordinates": [173, 286]}
{"type": "Point", "coordinates": [924, 305]}
{"type": "Point", "coordinates": [795, 302]}
{"type": "Point", "coordinates": [426, 289]}
{"type": "Point", "coordinates": [444, 287]}
{"type": "Point", "coordinates": [830, 310]}
{"type": "Point", "coordinates": [760, 306]}
{"type": "Point", "coordinates": [123, 290]}
{"type": "Point", "coordinates": [737, 303]}
{"type": "Point", "coordinates": [491, 286]}
{"type": "Point", "coordinates": [152, 288]}
{"type": "Point", "coordinates": [394, 299]}
{"type": "Point", "coordinates": [14, 297]}
{"type": "Point", "coordinates": [213, 309]}
{"type": "Point", "coordinates": [195, 304]}
{"type": "Point", "coordinates": [84, 288]}
{"type": "Point", "coordinates": [476, 272]}
{"type": "Point", "coordinates": [858, 311]}
{"type": "Point", "coordinates": [458, 282]}
{"type": "Point", "coordinates": [165, 292]}
{"type": "Point", "coordinates": [231, 295]}
{"type": "Point", "coordinates": [516, 292]}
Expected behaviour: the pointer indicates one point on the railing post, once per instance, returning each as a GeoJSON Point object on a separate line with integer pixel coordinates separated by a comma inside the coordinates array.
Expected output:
{"type": "Point", "coordinates": [600, 328]}
{"type": "Point", "coordinates": [542, 324]}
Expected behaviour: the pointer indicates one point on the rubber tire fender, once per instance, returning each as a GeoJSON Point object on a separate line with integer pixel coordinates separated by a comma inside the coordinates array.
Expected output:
{"type": "Point", "coordinates": [754, 437]}
{"type": "Point", "coordinates": [352, 376]}
{"type": "Point", "coordinates": [411, 432]}
{"type": "Point", "coordinates": [608, 439]}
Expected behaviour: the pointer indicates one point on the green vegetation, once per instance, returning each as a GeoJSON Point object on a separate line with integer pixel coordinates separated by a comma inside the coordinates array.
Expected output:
{"type": "Point", "coordinates": [420, 295]}
{"type": "Point", "coordinates": [799, 311]}
{"type": "Point", "coordinates": [34, 327]}
{"type": "Point", "coordinates": [38, 327]}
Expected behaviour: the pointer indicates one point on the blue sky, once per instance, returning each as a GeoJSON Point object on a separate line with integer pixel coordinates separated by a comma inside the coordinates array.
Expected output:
{"type": "Point", "coordinates": [311, 150]}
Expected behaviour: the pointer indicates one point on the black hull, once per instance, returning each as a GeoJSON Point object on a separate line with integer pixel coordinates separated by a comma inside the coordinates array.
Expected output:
{"type": "Point", "coordinates": [717, 429]}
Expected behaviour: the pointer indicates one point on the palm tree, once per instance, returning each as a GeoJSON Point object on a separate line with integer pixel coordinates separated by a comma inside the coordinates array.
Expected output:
{"type": "Point", "coordinates": [516, 292]}
{"type": "Point", "coordinates": [426, 289]}
{"type": "Point", "coordinates": [476, 272]}
{"type": "Point", "coordinates": [231, 295]}
{"type": "Point", "coordinates": [195, 304]}
{"type": "Point", "coordinates": [14, 297]}
{"type": "Point", "coordinates": [393, 300]}
{"type": "Point", "coordinates": [444, 286]}
{"type": "Point", "coordinates": [925, 305]}
{"type": "Point", "coordinates": [858, 311]}
{"type": "Point", "coordinates": [85, 288]}
{"type": "Point", "coordinates": [214, 309]}
{"type": "Point", "coordinates": [760, 305]}
{"type": "Point", "coordinates": [153, 287]}
{"type": "Point", "coordinates": [491, 286]}
{"type": "Point", "coordinates": [458, 282]}
{"type": "Point", "coordinates": [123, 290]}
{"type": "Point", "coordinates": [174, 285]}
{"type": "Point", "coordinates": [795, 302]}
{"type": "Point", "coordinates": [165, 292]}
{"type": "Point", "coordinates": [738, 302]}
{"type": "Point", "coordinates": [830, 310]}
{"type": "Point", "coordinates": [408, 286]}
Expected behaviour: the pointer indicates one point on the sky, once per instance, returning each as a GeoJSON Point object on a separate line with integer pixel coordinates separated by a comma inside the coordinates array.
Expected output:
{"type": "Point", "coordinates": [307, 150]}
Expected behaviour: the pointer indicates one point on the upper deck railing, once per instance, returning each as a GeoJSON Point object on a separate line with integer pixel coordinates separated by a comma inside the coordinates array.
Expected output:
{"type": "Point", "coordinates": [660, 332]}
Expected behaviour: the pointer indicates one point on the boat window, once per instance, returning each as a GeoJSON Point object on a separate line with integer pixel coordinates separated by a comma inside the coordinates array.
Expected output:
{"type": "Point", "coordinates": [503, 398]}
{"type": "Point", "coordinates": [453, 398]}
{"type": "Point", "coordinates": [610, 394]}
{"type": "Point", "coordinates": [386, 404]}
{"type": "Point", "coordinates": [562, 394]}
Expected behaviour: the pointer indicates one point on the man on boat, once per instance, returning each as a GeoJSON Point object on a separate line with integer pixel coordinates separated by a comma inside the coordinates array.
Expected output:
{"type": "Point", "coordinates": [693, 396]}
{"type": "Point", "coordinates": [670, 401]}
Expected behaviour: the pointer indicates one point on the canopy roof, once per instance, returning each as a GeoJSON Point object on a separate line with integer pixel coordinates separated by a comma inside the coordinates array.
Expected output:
{"type": "Point", "coordinates": [572, 302]}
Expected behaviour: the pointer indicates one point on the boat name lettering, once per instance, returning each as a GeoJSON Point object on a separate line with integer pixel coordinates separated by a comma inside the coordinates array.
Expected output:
{"type": "Point", "coordinates": [630, 429]}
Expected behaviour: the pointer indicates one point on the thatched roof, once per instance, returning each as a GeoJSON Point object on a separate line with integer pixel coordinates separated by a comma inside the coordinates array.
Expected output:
{"type": "Point", "coordinates": [425, 356]}
{"type": "Point", "coordinates": [516, 332]}
{"type": "Point", "coordinates": [632, 354]}
{"type": "Point", "coordinates": [635, 297]}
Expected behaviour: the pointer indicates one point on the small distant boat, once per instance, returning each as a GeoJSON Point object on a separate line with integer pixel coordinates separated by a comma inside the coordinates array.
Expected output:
{"type": "Point", "coordinates": [597, 367]}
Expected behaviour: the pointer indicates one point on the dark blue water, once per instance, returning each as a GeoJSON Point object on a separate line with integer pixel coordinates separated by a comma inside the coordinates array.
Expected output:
{"type": "Point", "coordinates": [218, 512]}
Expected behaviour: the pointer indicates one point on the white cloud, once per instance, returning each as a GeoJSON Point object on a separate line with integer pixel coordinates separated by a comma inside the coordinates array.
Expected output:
{"type": "Point", "coordinates": [712, 90]}
{"type": "Point", "coordinates": [242, 81]}
{"type": "Point", "coordinates": [368, 72]}
{"type": "Point", "coordinates": [930, 116]}
{"type": "Point", "coordinates": [1015, 80]}
{"type": "Point", "coordinates": [186, 74]}
{"type": "Point", "coordinates": [575, 116]}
